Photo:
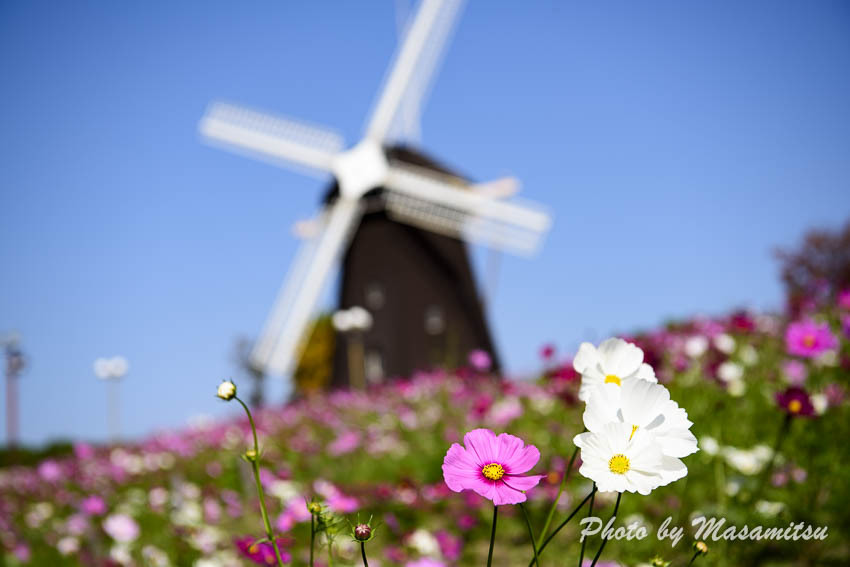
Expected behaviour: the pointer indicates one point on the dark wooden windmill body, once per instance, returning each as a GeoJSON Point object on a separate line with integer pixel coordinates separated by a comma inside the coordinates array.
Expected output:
{"type": "Point", "coordinates": [419, 288]}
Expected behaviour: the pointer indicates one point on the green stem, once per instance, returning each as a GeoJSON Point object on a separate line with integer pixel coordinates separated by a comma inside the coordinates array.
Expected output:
{"type": "Point", "coordinates": [694, 558]}
{"type": "Point", "coordinates": [330, 551]}
{"type": "Point", "coordinates": [530, 533]}
{"type": "Point", "coordinates": [605, 540]}
{"type": "Point", "coordinates": [780, 436]}
{"type": "Point", "coordinates": [312, 537]}
{"type": "Point", "coordinates": [562, 524]}
{"type": "Point", "coordinates": [363, 553]}
{"type": "Point", "coordinates": [564, 478]}
{"type": "Point", "coordinates": [492, 535]}
{"type": "Point", "coordinates": [589, 513]}
{"type": "Point", "coordinates": [255, 465]}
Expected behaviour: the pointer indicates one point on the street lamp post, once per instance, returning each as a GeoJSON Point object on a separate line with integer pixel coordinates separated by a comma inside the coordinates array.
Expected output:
{"type": "Point", "coordinates": [14, 366]}
{"type": "Point", "coordinates": [112, 370]}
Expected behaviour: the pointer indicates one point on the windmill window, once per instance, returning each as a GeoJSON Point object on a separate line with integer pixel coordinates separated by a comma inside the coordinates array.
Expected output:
{"type": "Point", "coordinates": [375, 296]}
{"type": "Point", "coordinates": [435, 321]}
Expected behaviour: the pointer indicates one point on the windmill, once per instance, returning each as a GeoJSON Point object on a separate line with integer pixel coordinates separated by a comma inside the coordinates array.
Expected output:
{"type": "Point", "coordinates": [396, 219]}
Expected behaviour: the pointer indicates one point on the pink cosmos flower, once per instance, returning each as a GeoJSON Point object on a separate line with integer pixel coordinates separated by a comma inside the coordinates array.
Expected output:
{"type": "Point", "coordinates": [480, 360]}
{"type": "Point", "coordinates": [492, 466]}
{"type": "Point", "coordinates": [425, 562]}
{"type": "Point", "coordinates": [344, 443]}
{"type": "Point", "coordinates": [505, 411]}
{"type": "Point", "coordinates": [834, 394]}
{"type": "Point", "coordinates": [93, 505]}
{"type": "Point", "coordinates": [844, 298]}
{"type": "Point", "coordinates": [450, 545]}
{"type": "Point", "coordinates": [83, 451]}
{"type": "Point", "coordinates": [121, 527]}
{"type": "Point", "coordinates": [50, 471]}
{"type": "Point", "coordinates": [22, 552]}
{"type": "Point", "coordinates": [808, 338]}
{"type": "Point", "coordinates": [296, 511]}
{"type": "Point", "coordinates": [795, 371]}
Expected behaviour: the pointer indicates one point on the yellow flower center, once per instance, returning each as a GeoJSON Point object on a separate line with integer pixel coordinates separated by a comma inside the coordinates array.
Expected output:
{"type": "Point", "coordinates": [809, 341]}
{"type": "Point", "coordinates": [493, 471]}
{"type": "Point", "coordinates": [613, 379]}
{"type": "Point", "coordinates": [794, 406]}
{"type": "Point", "coordinates": [619, 464]}
{"type": "Point", "coordinates": [634, 428]}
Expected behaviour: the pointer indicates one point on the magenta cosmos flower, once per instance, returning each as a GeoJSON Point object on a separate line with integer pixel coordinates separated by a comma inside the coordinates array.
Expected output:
{"type": "Point", "coordinates": [808, 338]}
{"type": "Point", "coordinates": [796, 402]}
{"type": "Point", "coordinates": [492, 466]}
{"type": "Point", "coordinates": [261, 553]}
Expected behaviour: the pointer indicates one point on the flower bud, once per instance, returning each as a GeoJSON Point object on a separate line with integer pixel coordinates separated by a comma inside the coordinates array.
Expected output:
{"type": "Point", "coordinates": [362, 532]}
{"type": "Point", "coordinates": [659, 562]}
{"type": "Point", "coordinates": [250, 455]}
{"type": "Point", "coordinates": [226, 390]}
{"type": "Point", "coordinates": [314, 508]}
{"type": "Point", "coordinates": [700, 547]}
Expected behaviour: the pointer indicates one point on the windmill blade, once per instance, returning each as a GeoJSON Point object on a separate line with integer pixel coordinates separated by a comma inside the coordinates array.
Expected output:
{"type": "Point", "coordinates": [280, 343]}
{"type": "Point", "coordinates": [414, 63]}
{"type": "Point", "coordinates": [419, 197]}
{"type": "Point", "coordinates": [501, 188]}
{"type": "Point", "coordinates": [283, 303]}
{"type": "Point", "coordinates": [270, 137]}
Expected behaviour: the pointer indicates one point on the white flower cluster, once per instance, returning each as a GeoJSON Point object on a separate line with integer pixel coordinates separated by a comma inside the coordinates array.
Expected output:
{"type": "Point", "coordinates": [636, 435]}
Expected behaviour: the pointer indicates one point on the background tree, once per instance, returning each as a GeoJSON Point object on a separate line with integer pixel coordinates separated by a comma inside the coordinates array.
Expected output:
{"type": "Point", "coordinates": [818, 269]}
{"type": "Point", "coordinates": [313, 372]}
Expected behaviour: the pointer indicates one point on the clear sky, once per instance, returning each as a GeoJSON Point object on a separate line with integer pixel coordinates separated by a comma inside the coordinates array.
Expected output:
{"type": "Point", "coordinates": [676, 143]}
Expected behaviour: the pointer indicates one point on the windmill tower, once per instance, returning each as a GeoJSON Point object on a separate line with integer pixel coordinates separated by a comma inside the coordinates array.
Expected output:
{"type": "Point", "coordinates": [396, 219]}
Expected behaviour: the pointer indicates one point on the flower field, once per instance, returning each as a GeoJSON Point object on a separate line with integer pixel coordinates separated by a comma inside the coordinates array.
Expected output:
{"type": "Point", "coordinates": [766, 397]}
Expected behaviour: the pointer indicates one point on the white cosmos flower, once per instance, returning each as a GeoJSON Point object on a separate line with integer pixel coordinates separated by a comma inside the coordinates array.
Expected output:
{"type": "Point", "coordinates": [730, 371]}
{"type": "Point", "coordinates": [621, 459]}
{"type": "Point", "coordinates": [724, 343]}
{"type": "Point", "coordinates": [696, 346]}
{"type": "Point", "coordinates": [643, 406]}
{"type": "Point", "coordinates": [614, 362]}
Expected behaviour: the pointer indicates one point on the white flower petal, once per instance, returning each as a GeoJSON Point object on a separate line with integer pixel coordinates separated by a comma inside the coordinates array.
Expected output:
{"type": "Point", "coordinates": [642, 402]}
{"type": "Point", "coordinates": [645, 372]}
{"type": "Point", "coordinates": [602, 407]}
{"type": "Point", "coordinates": [619, 357]}
{"type": "Point", "coordinates": [672, 469]}
{"type": "Point", "coordinates": [586, 357]}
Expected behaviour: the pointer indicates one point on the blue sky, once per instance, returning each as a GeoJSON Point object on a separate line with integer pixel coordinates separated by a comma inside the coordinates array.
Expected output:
{"type": "Point", "coordinates": [677, 145]}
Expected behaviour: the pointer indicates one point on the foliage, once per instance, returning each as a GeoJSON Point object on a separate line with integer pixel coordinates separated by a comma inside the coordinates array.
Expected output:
{"type": "Point", "coordinates": [314, 368]}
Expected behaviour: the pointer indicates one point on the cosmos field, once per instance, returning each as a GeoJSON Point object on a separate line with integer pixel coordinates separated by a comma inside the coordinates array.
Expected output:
{"type": "Point", "coordinates": [766, 395]}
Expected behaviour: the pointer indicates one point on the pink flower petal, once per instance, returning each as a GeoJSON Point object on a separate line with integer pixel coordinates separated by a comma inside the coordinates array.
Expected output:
{"type": "Point", "coordinates": [483, 444]}
{"type": "Point", "coordinates": [459, 468]}
{"type": "Point", "coordinates": [507, 495]}
{"type": "Point", "coordinates": [522, 483]}
{"type": "Point", "coordinates": [522, 461]}
{"type": "Point", "coordinates": [486, 488]}
{"type": "Point", "coordinates": [509, 447]}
